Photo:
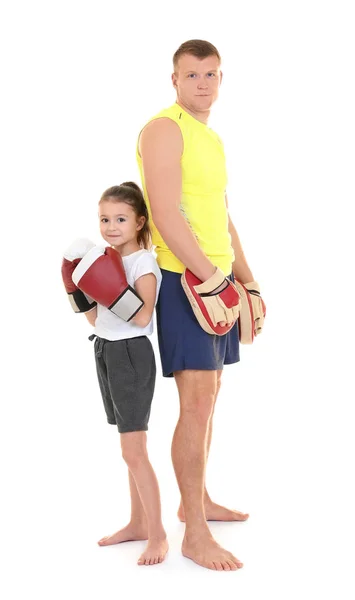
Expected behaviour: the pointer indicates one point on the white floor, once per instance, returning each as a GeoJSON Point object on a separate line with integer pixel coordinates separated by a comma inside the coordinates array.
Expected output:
{"type": "Point", "coordinates": [80, 80]}
{"type": "Point", "coordinates": [278, 452]}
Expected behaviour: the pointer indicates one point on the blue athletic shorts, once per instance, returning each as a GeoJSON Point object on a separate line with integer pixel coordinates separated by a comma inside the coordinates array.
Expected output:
{"type": "Point", "coordinates": [183, 344]}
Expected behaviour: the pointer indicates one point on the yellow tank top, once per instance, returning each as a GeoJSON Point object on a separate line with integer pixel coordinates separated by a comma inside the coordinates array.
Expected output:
{"type": "Point", "coordinates": [204, 180]}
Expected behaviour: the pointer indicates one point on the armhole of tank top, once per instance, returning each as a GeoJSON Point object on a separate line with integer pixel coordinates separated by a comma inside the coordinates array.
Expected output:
{"type": "Point", "coordinates": [139, 137]}
{"type": "Point", "coordinates": [155, 119]}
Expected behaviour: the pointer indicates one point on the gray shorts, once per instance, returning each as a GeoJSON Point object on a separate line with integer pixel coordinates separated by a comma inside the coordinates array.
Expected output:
{"type": "Point", "coordinates": [126, 373]}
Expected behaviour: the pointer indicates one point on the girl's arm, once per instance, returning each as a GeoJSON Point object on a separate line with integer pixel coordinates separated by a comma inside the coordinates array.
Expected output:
{"type": "Point", "coordinates": [91, 316]}
{"type": "Point", "coordinates": [146, 287]}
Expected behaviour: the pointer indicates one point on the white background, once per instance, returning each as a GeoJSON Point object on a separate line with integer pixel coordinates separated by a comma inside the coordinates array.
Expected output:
{"type": "Point", "coordinates": [78, 81]}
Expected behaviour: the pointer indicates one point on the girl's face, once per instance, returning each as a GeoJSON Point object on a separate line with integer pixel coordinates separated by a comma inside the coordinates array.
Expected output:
{"type": "Point", "coordinates": [119, 224]}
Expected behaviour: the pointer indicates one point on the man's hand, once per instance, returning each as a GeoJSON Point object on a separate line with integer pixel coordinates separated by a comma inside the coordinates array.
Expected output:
{"type": "Point", "coordinates": [259, 308]}
{"type": "Point", "coordinates": [252, 313]}
{"type": "Point", "coordinates": [214, 302]}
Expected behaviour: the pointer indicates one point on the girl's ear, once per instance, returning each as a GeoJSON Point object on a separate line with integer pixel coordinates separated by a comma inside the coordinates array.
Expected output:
{"type": "Point", "coordinates": [140, 223]}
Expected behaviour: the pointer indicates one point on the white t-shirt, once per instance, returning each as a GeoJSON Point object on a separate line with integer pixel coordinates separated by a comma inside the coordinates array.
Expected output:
{"type": "Point", "coordinates": [107, 324]}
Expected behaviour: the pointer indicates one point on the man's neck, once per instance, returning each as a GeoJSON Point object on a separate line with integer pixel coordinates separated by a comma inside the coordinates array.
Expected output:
{"type": "Point", "coordinates": [200, 116]}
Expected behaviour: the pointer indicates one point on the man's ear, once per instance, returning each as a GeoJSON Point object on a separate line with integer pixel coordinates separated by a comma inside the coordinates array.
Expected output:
{"type": "Point", "coordinates": [173, 79]}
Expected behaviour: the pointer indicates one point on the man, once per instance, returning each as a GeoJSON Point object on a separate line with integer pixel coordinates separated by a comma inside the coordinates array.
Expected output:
{"type": "Point", "coordinates": [183, 172]}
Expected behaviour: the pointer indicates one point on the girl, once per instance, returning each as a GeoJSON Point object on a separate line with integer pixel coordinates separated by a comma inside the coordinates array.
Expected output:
{"type": "Point", "coordinates": [126, 366]}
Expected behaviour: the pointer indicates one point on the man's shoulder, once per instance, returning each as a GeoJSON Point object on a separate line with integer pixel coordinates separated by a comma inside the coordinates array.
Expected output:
{"type": "Point", "coordinates": [170, 111]}
{"type": "Point", "coordinates": [162, 132]}
{"type": "Point", "coordinates": [164, 118]}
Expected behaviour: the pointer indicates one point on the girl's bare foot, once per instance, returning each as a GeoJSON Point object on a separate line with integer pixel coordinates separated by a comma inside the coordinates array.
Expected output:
{"type": "Point", "coordinates": [155, 552]}
{"type": "Point", "coordinates": [132, 532]}
{"type": "Point", "coordinates": [216, 512]}
{"type": "Point", "coordinates": [205, 551]}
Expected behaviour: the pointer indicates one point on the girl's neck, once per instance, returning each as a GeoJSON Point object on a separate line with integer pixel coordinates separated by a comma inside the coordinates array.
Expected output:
{"type": "Point", "coordinates": [128, 248]}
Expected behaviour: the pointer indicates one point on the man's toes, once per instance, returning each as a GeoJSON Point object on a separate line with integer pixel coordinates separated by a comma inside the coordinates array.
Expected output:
{"type": "Point", "coordinates": [218, 566]}
{"type": "Point", "coordinates": [226, 566]}
{"type": "Point", "coordinates": [232, 565]}
{"type": "Point", "coordinates": [235, 560]}
{"type": "Point", "coordinates": [161, 558]}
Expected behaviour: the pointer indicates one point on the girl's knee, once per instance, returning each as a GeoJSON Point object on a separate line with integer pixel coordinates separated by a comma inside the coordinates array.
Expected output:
{"type": "Point", "coordinates": [134, 450]}
{"type": "Point", "coordinates": [131, 459]}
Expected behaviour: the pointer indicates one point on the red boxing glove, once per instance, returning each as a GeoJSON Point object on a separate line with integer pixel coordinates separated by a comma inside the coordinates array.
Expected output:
{"type": "Point", "coordinates": [101, 275]}
{"type": "Point", "coordinates": [212, 307]}
{"type": "Point", "coordinates": [72, 256]}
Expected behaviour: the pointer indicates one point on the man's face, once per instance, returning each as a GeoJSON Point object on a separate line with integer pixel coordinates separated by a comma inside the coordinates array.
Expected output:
{"type": "Point", "coordinates": [197, 81]}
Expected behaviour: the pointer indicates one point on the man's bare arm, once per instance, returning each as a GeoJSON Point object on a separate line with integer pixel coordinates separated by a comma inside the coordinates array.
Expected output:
{"type": "Point", "coordinates": [240, 266]}
{"type": "Point", "coordinates": [161, 147]}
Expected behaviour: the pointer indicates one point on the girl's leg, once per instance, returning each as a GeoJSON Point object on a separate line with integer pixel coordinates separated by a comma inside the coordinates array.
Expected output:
{"type": "Point", "coordinates": [134, 452]}
{"type": "Point", "coordinates": [138, 518]}
{"type": "Point", "coordinates": [137, 528]}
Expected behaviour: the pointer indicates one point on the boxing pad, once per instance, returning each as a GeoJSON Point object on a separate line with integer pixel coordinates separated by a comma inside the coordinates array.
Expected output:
{"type": "Point", "coordinates": [211, 307]}
{"type": "Point", "coordinates": [80, 302]}
{"type": "Point", "coordinates": [101, 275]}
{"type": "Point", "coordinates": [252, 312]}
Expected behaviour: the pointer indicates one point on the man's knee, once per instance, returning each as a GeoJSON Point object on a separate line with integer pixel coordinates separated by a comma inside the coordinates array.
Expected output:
{"type": "Point", "coordinates": [219, 380]}
{"type": "Point", "coordinates": [197, 392]}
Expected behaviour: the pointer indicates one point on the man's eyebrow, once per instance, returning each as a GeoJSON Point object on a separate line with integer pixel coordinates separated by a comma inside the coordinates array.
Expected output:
{"type": "Point", "coordinates": [208, 71]}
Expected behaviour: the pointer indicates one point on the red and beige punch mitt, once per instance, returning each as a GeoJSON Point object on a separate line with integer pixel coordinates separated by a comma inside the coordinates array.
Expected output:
{"type": "Point", "coordinates": [252, 312]}
{"type": "Point", "coordinates": [101, 275]}
{"type": "Point", "coordinates": [210, 307]}
{"type": "Point", "coordinates": [80, 302]}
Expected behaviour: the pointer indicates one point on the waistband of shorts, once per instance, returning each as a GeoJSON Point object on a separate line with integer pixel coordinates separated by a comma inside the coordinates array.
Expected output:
{"type": "Point", "coordinates": [93, 336]}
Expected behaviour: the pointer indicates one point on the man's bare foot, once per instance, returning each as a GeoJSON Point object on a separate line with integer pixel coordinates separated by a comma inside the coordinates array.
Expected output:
{"type": "Point", "coordinates": [155, 552]}
{"type": "Point", "coordinates": [205, 551]}
{"type": "Point", "coordinates": [131, 532]}
{"type": "Point", "coordinates": [215, 512]}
